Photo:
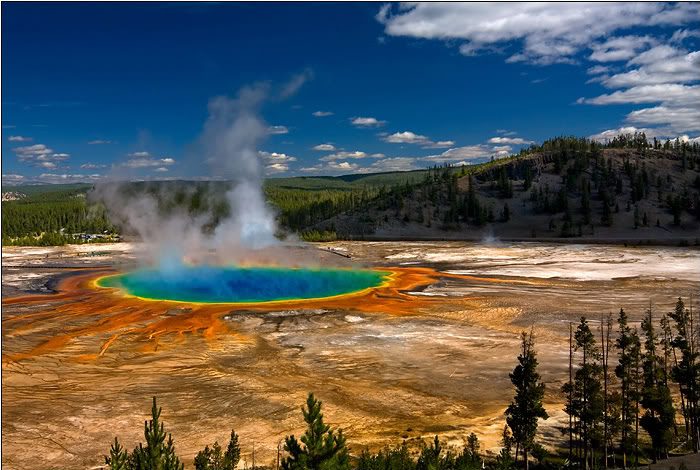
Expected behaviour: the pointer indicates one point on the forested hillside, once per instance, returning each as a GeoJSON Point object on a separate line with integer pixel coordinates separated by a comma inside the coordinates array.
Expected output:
{"type": "Point", "coordinates": [567, 187]}
{"type": "Point", "coordinates": [44, 211]}
{"type": "Point", "coordinates": [629, 188]}
{"type": "Point", "coordinates": [31, 211]}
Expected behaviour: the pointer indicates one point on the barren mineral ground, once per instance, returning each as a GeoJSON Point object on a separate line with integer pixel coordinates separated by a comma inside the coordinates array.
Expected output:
{"type": "Point", "coordinates": [430, 355]}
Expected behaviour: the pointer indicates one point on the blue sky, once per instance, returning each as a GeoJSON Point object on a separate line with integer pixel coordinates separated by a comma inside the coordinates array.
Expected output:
{"type": "Point", "coordinates": [91, 88]}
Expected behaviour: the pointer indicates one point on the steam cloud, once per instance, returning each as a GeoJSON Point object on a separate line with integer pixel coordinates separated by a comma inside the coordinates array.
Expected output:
{"type": "Point", "coordinates": [229, 147]}
{"type": "Point", "coordinates": [230, 141]}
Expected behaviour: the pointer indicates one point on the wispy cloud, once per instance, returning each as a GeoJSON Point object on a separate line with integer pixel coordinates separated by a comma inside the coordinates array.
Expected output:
{"type": "Point", "coordinates": [408, 137]}
{"type": "Point", "coordinates": [322, 113]}
{"type": "Point", "coordinates": [546, 32]}
{"type": "Point", "coordinates": [68, 178]}
{"type": "Point", "coordinates": [325, 147]}
{"type": "Point", "coordinates": [366, 122]}
{"type": "Point", "coordinates": [277, 130]}
{"type": "Point", "coordinates": [510, 140]}
{"type": "Point", "coordinates": [296, 82]}
{"type": "Point", "coordinates": [352, 155]}
{"type": "Point", "coordinates": [668, 93]}
{"type": "Point", "coordinates": [598, 69]}
{"type": "Point", "coordinates": [91, 166]}
{"type": "Point", "coordinates": [440, 144]}
{"type": "Point", "coordinates": [99, 142]}
{"type": "Point", "coordinates": [382, 165]}
{"type": "Point", "coordinates": [39, 155]}
{"type": "Point", "coordinates": [12, 178]}
{"type": "Point", "coordinates": [148, 162]}
{"type": "Point", "coordinates": [332, 167]}
{"type": "Point", "coordinates": [470, 153]}
{"type": "Point", "coordinates": [19, 138]}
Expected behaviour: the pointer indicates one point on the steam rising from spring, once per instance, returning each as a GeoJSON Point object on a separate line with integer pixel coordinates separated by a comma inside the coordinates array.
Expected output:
{"type": "Point", "coordinates": [230, 142]}
{"type": "Point", "coordinates": [228, 146]}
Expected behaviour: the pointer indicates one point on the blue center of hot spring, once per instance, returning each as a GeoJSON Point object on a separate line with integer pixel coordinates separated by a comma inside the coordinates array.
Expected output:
{"type": "Point", "coordinates": [212, 284]}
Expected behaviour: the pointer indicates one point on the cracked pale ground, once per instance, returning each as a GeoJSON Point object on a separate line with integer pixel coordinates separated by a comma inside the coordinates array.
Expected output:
{"type": "Point", "coordinates": [428, 355]}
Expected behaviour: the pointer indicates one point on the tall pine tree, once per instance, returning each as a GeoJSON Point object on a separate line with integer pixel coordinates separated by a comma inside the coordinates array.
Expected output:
{"type": "Point", "coordinates": [625, 345]}
{"type": "Point", "coordinates": [586, 405]}
{"type": "Point", "coordinates": [323, 448]}
{"type": "Point", "coordinates": [522, 414]}
{"type": "Point", "coordinates": [656, 397]}
{"type": "Point", "coordinates": [157, 454]}
{"type": "Point", "coordinates": [686, 371]}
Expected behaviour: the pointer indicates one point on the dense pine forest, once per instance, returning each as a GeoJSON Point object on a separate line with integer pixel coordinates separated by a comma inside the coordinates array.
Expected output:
{"type": "Point", "coordinates": [633, 398]}
{"type": "Point", "coordinates": [46, 214]}
{"type": "Point", "coordinates": [566, 187]}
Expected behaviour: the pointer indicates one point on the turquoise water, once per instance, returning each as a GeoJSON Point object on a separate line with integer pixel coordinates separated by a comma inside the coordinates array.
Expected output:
{"type": "Point", "coordinates": [211, 284]}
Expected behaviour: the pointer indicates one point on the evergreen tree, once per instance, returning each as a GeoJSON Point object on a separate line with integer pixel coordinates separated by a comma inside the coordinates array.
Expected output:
{"type": "Point", "coordinates": [609, 410]}
{"type": "Point", "coordinates": [686, 372]}
{"type": "Point", "coordinates": [586, 204]}
{"type": "Point", "coordinates": [522, 414]}
{"type": "Point", "coordinates": [505, 215]}
{"type": "Point", "coordinates": [430, 457]}
{"type": "Point", "coordinates": [587, 404]}
{"type": "Point", "coordinates": [157, 454]}
{"type": "Point", "coordinates": [323, 449]}
{"type": "Point", "coordinates": [388, 459]}
{"type": "Point", "coordinates": [656, 397]}
{"type": "Point", "coordinates": [607, 218]}
{"type": "Point", "coordinates": [504, 460]}
{"type": "Point", "coordinates": [216, 459]}
{"type": "Point", "coordinates": [469, 459]}
{"type": "Point", "coordinates": [528, 178]}
{"type": "Point", "coordinates": [118, 458]}
{"type": "Point", "coordinates": [625, 345]}
{"type": "Point", "coordinates": [636, 377]}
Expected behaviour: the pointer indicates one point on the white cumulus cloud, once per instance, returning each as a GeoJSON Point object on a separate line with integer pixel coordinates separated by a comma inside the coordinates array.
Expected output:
{"type": "Point", "coordinates": [366, 122]}
{"type": "Point", "coordinates": [408, 137]}
{"type": "Point", "coordinates": [40, 155]}
{"type": "Point", "coordinates": [325, 147]}
{"type": "Point", "coordinates": [470, 153]}
{"type": "Point", "coordinates": [12, 178]}
{"type": "Point", "coordinates": [510, 140]}
{"type": "Point", "coordinates": [148, 162]}
{"type": "Point", "coordinates": [274, 157]}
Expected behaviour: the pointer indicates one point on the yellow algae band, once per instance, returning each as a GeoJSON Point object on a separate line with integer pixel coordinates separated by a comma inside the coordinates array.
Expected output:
{"type": "Point", "coordinates": [213, 284]}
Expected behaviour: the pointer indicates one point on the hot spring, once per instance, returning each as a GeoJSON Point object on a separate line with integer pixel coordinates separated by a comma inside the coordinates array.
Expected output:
{"type": "Point", "coordinates": [214, 284]}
